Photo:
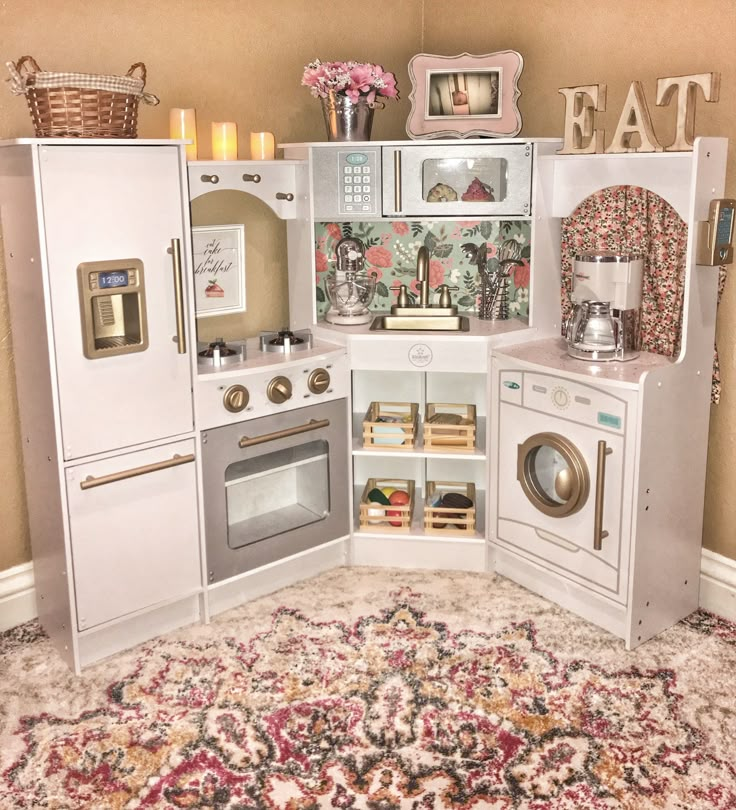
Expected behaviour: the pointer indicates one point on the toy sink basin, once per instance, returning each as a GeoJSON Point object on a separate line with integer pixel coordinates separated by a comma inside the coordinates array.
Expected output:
{"type": "Point", "coordinates": [420, 323]}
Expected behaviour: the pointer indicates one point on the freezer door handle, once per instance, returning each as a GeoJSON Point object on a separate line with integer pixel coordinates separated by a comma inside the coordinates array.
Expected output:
{"type": "Point", "coordinates": [90, 481]}
{"type": "Point", "coordinates": [599, 533]}
{"type": "Point", "coordinates": [181, 338]}
{"type": "Point", "coordinates": [313, 424]}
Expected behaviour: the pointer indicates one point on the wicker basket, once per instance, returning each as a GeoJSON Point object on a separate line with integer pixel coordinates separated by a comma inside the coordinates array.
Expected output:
{"type": "Point", "coordinates": [80, 105]}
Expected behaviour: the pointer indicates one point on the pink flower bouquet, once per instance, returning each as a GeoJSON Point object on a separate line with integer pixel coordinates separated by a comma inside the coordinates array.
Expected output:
{"type": "Point", "coordinates": [351, 79]}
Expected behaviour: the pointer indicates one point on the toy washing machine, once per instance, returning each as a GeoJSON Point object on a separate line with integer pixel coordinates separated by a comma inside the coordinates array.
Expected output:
{"type": "Point", "coordinates": [562, 484]}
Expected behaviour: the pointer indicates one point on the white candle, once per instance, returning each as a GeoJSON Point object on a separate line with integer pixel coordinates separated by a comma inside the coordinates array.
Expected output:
{"type": "Point", "coordinates": [224, 140]}
{"type": "Point", "coordinates": [262, 146]}
{"type": "Point", "coordinates": [183, 126]}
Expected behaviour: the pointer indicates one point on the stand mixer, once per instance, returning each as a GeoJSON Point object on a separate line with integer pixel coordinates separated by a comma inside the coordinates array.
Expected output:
{"type": "Point", "coordinates": [350, 289]}
{"type": "Point", "coordinates": [606, 293]}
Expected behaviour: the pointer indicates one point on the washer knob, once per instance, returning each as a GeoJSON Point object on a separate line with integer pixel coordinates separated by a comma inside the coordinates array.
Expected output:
{"type": "Point", "coordinates": [236, 398]}
{"type": "Point", "coordinates": [279, 390]}
{"type": "Point", "coordinates": [318, 381]}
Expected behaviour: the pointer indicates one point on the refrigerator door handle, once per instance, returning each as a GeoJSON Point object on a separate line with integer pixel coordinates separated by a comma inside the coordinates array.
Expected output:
{"type": "Point", "coordinates": [90, 481]}
{"type": "Point", "coordinates": [181, 338]}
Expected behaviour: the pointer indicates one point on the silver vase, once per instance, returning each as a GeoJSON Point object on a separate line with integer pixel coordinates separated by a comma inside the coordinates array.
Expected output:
{"type": "Point", "coordinates": [347, 120]}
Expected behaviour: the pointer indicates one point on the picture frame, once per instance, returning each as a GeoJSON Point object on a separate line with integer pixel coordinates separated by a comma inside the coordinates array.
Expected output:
{"type": "Point", "coordinates": [465, 96]}
{"type": "Point", "coordinates": [218, 253]}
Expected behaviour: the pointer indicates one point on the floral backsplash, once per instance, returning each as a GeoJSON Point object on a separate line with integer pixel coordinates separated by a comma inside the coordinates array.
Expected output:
{"type": "Point", "coordinates": [391, 253]}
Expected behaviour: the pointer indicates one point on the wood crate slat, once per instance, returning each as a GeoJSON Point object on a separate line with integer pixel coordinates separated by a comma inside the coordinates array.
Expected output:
{"type": "Point", "coordinates": [446, 437]}
{"type": "Point", "coordinates": [449, 521]}
{"type": "Point", "coordinates": [400, 435]}
{"type": "Point", "coordinates": [369, 518]}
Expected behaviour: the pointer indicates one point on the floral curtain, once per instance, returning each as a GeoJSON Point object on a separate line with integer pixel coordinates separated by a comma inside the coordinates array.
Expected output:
{"type": "Point", "coordinates": [628, 219]}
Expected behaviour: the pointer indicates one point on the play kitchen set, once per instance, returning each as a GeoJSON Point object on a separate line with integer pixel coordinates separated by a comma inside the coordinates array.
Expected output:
{"type": "Point", "coordinates": [169, 480]}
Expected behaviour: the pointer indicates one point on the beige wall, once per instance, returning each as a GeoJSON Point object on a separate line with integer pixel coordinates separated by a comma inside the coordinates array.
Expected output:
{"type": "Point", "coordinates": [242, 61]}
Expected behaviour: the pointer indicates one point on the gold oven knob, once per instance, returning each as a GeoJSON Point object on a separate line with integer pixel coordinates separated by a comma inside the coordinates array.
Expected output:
{"type": "Point", "coordinates": [318, 381]}
{"type": "Point", "coordinates": [236, 398]}
{"type": "Point", "coordinates": [279, 390]}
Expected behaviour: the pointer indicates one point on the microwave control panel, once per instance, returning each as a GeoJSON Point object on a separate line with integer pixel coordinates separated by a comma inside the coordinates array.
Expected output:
{"type": "Point", "coordinates": [347, 183]}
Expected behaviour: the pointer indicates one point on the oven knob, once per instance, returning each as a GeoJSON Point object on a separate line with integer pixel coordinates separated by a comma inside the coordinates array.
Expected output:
{"type": "Point", "coordinates": [318, 381]}
{"type": "Point", "coordinates": [235, 399]}
{"type": "Point", "coordinates": [279, 390]}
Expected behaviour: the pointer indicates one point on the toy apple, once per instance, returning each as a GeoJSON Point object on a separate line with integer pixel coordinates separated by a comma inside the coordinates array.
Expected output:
{"type": "Point", "coordinates": [394, 513]}
{"type": "Point", "coordinates": [397, 498]}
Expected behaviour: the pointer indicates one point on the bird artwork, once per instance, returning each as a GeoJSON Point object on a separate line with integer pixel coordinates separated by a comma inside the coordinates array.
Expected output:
{"type": "Point", "coordinates": [493, 303]}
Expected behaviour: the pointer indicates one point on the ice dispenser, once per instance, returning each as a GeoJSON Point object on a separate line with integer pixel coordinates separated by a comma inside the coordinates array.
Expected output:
{"type": "Point", "coordinates": [112, 300]}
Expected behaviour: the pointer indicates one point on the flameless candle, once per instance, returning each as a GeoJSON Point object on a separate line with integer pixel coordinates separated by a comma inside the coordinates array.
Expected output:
{"type": "Point", "coordinates": [224, 140]}
{"type": "Point", "coordinates": [183, 126]}
{"type": "Point", "coordinates": [261, 146]}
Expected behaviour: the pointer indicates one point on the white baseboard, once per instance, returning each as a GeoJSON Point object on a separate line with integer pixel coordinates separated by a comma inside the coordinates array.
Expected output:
{"type": "Point", "coordinates": [718, 584]}
{"type": "Point", "coordinates": [717, 590]}
{"type": "Point", "coordinates": [17, 596]}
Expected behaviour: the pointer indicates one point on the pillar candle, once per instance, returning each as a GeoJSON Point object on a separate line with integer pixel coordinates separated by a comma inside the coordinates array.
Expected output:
{"type": "Point", "coordinates": [261, 146]}
{"type": "Point", "coordinates": [224, 140]}
{"type": "Point", "coordinates": [183, 126]}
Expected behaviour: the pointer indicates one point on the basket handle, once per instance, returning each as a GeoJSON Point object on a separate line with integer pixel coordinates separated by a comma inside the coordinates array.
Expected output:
{"type": "Point", "coordinates": [23, 63]}
{"type": "Point", "coordinates": [132, 69]}
{"type": "Point", "coordinates": [22, 74]}
{"type": "Point", "coordinates": [146, 98]}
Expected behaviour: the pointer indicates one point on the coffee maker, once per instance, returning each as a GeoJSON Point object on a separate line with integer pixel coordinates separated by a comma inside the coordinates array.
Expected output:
{"type": "Point", "coordinates": [606, 296]}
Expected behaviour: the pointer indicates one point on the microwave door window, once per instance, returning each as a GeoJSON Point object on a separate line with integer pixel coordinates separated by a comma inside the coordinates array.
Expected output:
{"type": "Point", "coordinates": [474, 180]}
{"type": "Point", "coordinates": [278, 492]}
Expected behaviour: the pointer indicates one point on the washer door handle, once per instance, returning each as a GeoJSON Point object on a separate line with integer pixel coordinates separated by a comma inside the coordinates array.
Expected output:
{"type": "Point", "coordinates": [599, 533]}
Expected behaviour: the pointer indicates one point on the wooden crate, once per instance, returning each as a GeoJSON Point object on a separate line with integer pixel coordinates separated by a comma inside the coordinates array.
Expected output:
{"type": "Point", "coordinates": [449, 438]}
{"type": "Point", "coordinates": [400, 435]}
{"type": "Point", "coordinates": [448, 520]}
{"type": "Point", "coordinates": [372, 522]}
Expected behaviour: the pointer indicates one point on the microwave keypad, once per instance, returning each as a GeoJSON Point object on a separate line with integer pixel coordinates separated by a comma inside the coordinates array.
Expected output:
{"type": "Point", "coordinates": [358, 192]}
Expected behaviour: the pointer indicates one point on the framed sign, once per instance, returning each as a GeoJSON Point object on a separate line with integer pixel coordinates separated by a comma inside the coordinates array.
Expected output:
{"type": "Point", "coordinates": [219, 269]}
{"type": "Point", "coordinates": [464, 96]}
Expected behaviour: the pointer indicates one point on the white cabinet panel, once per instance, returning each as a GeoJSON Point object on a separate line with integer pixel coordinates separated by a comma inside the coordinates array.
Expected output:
{"type": "Point", "coordinates": [110, 203]}
{"type": "Point", "coordinates": [134, 541]}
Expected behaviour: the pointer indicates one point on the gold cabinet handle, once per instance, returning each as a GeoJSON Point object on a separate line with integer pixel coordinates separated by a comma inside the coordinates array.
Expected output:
{"type": "Point", "coordinates": [599, 533]}
{"type": "Point", "coordinates": [90, 481]}
{"type": "Point", "coordinates": [313, 424]}
{"type": "Point", "coordinates": [181, 337]}
{"type": "Point", "coordinates": [397, 181]}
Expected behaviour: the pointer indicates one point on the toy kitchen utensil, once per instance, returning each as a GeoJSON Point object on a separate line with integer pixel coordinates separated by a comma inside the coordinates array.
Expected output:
{"type": "Point", "coordinates": [350, 289]}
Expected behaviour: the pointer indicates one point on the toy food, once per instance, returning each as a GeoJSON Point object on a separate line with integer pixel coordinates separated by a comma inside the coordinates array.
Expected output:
{"type": "Point", "coordinates": [442, 193]}
{"type": "Point", "coordinates": [478, 191]}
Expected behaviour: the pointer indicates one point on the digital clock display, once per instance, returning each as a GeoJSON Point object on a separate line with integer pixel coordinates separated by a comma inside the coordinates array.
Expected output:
{"type": "Point", "coordinates": [113, 278]}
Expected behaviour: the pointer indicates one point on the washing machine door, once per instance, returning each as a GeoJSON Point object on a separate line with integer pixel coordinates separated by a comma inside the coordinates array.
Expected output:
{"type": "Point", "coordinates": [553, 474]}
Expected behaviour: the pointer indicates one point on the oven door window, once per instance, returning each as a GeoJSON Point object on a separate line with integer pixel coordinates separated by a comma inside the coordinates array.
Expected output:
{"type": "Point", "coordinates": [277, 492]}
{"type": "Point", "coordinates": [448, 180]}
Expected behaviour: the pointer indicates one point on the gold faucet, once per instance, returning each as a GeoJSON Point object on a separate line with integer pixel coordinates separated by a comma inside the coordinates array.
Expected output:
{"type": "Point", "coordinates": [423, 276]}
{"type": "Point", "coordinates": [423, 307]}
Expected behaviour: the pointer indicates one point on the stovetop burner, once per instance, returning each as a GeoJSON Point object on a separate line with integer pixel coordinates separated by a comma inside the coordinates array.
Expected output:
{"type": "Point", "coordinates": [286, 341]}
{"type": "Point", "coordinates": [218, 353]}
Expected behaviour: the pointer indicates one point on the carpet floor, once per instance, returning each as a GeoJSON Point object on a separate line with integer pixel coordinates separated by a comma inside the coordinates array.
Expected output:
{"type": "Point", "coordinates": [377, 689]}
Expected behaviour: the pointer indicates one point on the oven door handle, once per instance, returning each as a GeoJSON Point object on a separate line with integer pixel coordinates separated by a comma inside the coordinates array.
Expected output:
{"type": "Point", "coordinates": [313, 424]}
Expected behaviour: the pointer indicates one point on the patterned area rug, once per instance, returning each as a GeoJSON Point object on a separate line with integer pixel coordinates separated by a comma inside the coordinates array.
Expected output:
{"type": "Point", "coordinates": [367, 689]}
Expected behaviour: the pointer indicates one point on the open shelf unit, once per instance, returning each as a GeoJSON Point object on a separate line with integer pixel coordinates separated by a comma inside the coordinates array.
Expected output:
{"type": "Point", "coordinates": [416, 547]}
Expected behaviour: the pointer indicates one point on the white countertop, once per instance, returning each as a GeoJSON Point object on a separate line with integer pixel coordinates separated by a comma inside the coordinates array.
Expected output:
{"type": "Point", "coordinates": [479, 329]}
{"type": "Point", "coordinates": [552, 353]}
{"type": "Point", "coordinates": [257, 360]}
